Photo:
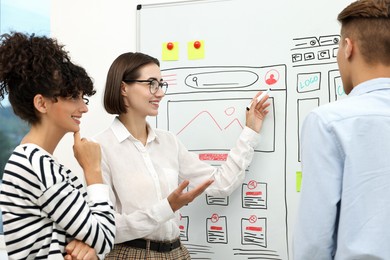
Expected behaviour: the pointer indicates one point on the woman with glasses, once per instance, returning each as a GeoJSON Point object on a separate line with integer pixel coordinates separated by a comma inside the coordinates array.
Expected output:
{"type": "Point", "coordinates": [144, 166]}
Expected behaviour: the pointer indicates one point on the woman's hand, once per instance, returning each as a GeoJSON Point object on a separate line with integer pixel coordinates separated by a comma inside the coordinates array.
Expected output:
{"type": "Point", "coordinates": [88, 154]}
{"type": "Point", "coordinates": [257, 112]}
{"type": "Point", "coordinates": [77, 250]}
{"type": "Point", "coordinates": [178, 198]}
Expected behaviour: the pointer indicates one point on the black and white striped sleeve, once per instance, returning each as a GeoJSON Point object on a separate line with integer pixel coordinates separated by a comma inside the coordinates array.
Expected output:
{"type": "Point", "coordinates": [87, 218]}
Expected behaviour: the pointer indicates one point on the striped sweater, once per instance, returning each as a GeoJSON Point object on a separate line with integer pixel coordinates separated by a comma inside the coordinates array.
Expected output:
{"type": "Point", "coordinates": [45, 206]}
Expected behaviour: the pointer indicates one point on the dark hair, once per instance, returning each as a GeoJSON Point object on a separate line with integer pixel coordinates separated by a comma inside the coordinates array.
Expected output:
{"type": "Point", "coordinates": [368, 23]}
{"type": "Point", "coordinates": [125, 66]}
{"type": "Point", "coordinates": [31, 65]}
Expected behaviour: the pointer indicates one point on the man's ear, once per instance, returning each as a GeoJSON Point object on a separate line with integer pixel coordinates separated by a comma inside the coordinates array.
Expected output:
{"type": "Point", "coordinates": [40, 103]}
{"type": "Point", "coordinates": [349, 48]}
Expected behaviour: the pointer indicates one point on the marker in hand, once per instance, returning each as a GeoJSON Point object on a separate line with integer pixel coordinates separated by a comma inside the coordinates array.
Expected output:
{"type": "Point", "coordinates": [258, 98]}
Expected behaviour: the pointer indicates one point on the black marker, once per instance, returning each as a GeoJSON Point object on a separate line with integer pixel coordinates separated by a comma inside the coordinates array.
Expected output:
{"type": "Point", "coordinates": [259, 98]}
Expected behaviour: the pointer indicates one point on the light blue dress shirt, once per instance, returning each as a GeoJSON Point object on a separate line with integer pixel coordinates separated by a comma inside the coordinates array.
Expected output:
{"type": "Point", "coordinates": [344, 210]}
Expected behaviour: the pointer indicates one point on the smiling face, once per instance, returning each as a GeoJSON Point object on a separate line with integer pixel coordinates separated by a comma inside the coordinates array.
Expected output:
{"type": "Point", "coordinates": [137, 96]}
{"type": "Point", "coordinates": [64, 115]}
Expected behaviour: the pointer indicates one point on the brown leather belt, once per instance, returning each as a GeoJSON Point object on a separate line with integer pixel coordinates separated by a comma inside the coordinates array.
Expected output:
{"type": "Point", "coordinates": [154, 245]}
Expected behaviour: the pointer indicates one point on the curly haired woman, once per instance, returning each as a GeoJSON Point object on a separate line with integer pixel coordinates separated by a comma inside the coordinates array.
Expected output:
{"type": "Point", "coordinates": [47, 212]}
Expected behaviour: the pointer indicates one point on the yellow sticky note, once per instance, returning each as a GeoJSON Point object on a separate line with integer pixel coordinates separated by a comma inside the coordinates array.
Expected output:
{"type": "Point", "coordinates": [195, 50]}
{"type": "Point", "coordinates": [298, 181]}
{"type": "Point", "coordinates": [170, 51]}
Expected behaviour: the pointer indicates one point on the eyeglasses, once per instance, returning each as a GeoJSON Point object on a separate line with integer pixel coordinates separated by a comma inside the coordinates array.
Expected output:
{"type": "Point", "coordinates": [154, 84]}
{"type": "Point", "coordinates": [74, 98]}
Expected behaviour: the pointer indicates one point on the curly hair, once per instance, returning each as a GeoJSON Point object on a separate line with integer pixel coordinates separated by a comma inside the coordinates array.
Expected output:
{"type": "Point", "coordinates": [31, 65]}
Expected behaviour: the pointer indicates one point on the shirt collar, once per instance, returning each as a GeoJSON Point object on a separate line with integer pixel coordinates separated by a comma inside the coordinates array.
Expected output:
{"type": "Point", "coordinates": [121, 132]}
{"type": "Point", "coordinates": [370, 85]}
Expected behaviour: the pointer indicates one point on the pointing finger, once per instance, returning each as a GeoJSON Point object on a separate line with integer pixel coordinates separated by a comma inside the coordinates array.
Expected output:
{"type": "Point", "coordinates": [183, 185]}
{"type": "Point", "coordinates": [202, 187]}
{"type": "Point", "coordinates": [76, 136]}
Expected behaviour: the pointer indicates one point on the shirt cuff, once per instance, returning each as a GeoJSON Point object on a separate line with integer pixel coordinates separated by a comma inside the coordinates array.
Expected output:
{"type": "Point", "coordinates": [165, 211]}
{"type": "Point", "coordinates": [250, 136]}
{"type": "Point", "coordinates": [98, 192]}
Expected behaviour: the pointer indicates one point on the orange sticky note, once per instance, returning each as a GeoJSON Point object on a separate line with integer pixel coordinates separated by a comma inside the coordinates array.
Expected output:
{"type": "Point", "coordinates": [195, 50]}
{"type": "Point", "coordinates": [170, 51]}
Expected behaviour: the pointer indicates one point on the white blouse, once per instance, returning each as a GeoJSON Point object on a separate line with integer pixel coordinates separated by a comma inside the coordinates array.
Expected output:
{"type": "Point", "coordinates": [141, 178]}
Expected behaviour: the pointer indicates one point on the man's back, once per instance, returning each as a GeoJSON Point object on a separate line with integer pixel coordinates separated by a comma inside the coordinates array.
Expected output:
{"type": "Point", "coordinates": [351, 178]}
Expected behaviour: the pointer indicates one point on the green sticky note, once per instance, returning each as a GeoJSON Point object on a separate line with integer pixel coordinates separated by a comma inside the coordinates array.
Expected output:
{"type": "Point", "coordinates": [298, 181]}
{"type": "Point", "coordinates": [195, 50]}
{"type": "Point", "coordinates": [170, 51]}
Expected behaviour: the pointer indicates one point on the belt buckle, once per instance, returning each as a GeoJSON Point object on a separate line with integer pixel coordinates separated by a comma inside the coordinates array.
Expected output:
{"type": "Point", "coordinates": [165, 247]}
{"type": "Point", "coordinates": [161, 247]}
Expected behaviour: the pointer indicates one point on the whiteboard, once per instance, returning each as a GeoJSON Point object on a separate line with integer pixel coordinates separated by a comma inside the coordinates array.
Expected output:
{"type": "Point", "coordinates": [249, 45]}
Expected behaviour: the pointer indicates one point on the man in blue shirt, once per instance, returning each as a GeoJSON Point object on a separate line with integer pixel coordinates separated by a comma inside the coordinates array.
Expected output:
{"type": "Point", "coordinates": [345, 202]}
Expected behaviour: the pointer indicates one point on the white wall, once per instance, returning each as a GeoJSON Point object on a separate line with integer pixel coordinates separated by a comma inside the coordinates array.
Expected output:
{"type": "Point", "coordinates": [94, 32]}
